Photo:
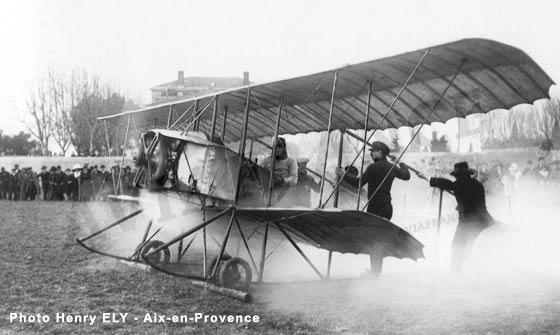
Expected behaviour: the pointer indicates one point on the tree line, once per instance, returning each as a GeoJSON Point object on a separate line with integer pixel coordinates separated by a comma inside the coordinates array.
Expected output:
{"type": "Point", "coordinates": [522, 126]}
{"type": "Point", "coordinates": [18, 145]}
{"type": "Point", "coordinates": [65, 110]}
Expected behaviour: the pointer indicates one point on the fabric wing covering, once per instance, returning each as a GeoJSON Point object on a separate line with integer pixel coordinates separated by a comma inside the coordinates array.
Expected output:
{"type": "Point", "coordinates": [341, 231]}
{"type": "Point", "coordinates": [494, 76]}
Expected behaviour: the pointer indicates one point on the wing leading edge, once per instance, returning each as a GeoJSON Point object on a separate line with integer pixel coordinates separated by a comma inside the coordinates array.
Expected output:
{"type": "Point", "coordinates": [495, 76]}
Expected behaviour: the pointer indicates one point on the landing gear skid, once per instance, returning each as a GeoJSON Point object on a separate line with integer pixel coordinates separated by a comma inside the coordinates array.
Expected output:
{"type": "Point", "coordinates": [230, 276]}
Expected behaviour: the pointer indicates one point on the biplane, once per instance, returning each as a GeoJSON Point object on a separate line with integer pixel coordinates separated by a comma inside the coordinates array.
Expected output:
{"type": "Point", "coordinates": [200, 151]}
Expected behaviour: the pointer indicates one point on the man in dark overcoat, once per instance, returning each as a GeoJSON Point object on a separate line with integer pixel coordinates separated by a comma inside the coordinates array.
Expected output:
{"type": "Point", "coordinates": [471, 205]}
{"type": "Point", "coordinates": [379, 177]}
{"type": "Point", "coordinates": [44, 181]}
{"type": "Point", "coordinates": [4, 183]}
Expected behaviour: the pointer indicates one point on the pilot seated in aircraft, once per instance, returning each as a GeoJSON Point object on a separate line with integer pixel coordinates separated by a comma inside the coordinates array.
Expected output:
{"type": "Point", "coordinates": [285, 168]}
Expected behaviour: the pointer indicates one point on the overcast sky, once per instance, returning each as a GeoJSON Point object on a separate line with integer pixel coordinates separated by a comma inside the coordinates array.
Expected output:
{"type": "Point", "coordinates": [137, 44]}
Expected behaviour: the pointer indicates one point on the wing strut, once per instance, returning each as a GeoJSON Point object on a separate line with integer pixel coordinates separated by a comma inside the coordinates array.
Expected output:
{"type": "Point", "coordinates": [276, 129]}
{"type": "Point", "coordinates": [364, 141]}
{"type": "Point", "coordinates": [119, 181]}
{"type": "Point", "coordinates": [416, 133]}
{"type": "Point", "coordinates": [299, 250]}
{"type": "Point", "coordinates": [389, 109]}
{"type": "Point", "coordinates": [331, 109]}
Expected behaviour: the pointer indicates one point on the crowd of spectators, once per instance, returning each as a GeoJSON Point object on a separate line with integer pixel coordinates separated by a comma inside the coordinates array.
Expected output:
{"type": "Point", "coordinates": [500, 177]}
{"type": "Point", "coordinates": [79, 183]}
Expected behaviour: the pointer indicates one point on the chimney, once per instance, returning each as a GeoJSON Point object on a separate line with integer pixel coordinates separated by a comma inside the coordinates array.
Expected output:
{"type": "Point", "coordinates": [181, 78]}
{"type": "Point", "coordinates": [245, 77]}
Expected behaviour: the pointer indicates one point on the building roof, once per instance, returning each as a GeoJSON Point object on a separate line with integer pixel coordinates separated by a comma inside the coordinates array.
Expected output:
{"type": "Point", "coordinates": [206, 82]}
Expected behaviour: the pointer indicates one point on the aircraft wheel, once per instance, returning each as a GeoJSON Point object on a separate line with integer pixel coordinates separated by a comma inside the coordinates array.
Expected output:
{"type": "Point", "coordinates": [162, 257]}
{"type": "Point", "coordinates": [235, 273]}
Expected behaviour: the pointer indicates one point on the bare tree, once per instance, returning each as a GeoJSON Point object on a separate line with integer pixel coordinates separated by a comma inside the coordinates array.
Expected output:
{"type": "Point", "coordinates": [66, 109]}
{"type": "Point", "coordinates": [93, 101]}
{"type": "Point", "coordinates": [63, 99]}
{"type": "Point", "coordinates": [85, 112]}
{"type": "Point", "coordinates": [40, 109]}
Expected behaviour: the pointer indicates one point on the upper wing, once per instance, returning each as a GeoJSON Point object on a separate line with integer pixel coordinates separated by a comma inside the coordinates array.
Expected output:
{"type": "Point", "coordinates": [494, 76]}
{"type": "Point", "coordinates": [340, 230]}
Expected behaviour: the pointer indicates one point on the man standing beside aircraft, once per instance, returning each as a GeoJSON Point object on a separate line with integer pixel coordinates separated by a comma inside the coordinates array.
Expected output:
{"type": "Point", "coordinates": [379, 177]}
{"type": "Point", "coordinates": [471, 205]}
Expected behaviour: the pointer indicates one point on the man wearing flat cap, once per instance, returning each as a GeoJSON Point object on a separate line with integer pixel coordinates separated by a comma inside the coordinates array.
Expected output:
{"type": "Point", "coordinates": [380, 203]}
{"type": "Point", "coordinates": [471, 205]}
{"type": "Point", "coordinates": [285, 168]}
{"type": "Point", "coordinates": [380, 172]}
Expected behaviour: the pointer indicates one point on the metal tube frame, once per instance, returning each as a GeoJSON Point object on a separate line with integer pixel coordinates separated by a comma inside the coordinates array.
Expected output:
{"type": "Point", "coordinates": [263, 254]}
{"type": "Point", "coordinates": [119, 181]}
{"type": "Point", "coordinates": [242, 143]}
{"type": "Point", "coordinates": [169, 116]}
{"type": "Point", "coordinates": [204, 247]}
{"type": "Point", "coordinates": [181, 116]}
{"type": "Point", "coordinates": [439, 221]}
{"type": "Point", "coordinates": [331, 108]}
{"type": "Point", "coordinates": [289, 238]}
{"type": "Point", "coordinates": [195, 116]}
{"type": "Point", "coordinates": [116, 223]}
{"type": "Point", "coordinates": [204, 253]}
{"type": "Point", "coordinates": [339, 163]}
{"type": "Point", "coordinates": [224, 123]}
{"type": "Point", "coordinates": [389, 109]}
{"type": "Point", "coordinates": [224, 244]}
{"type": "Point", "coordinates": [147, 231]}
{"type": "Point", "coordinates": [214, 118]}
{"type": "Point", "coordinates": [191, 231]}
{"type": "Point", "coordinates": [275, 138]}
{"type": "Point", "coordinates": [143, 244]}
{"type": "Point", "coordinates": [329, 261]}
{"type": "Point", "coordinates": [186, 248]}
{"type": "Point", "coordinates": [366, 123]}
{"type": "Point", "coordinates": [109, 152]}
{"type": "Point", "coordinates": [107, 138]}
{"type": "Point", "coordinates": [246, 245]}
{"type": "Point", "coordinates": [415, 134]}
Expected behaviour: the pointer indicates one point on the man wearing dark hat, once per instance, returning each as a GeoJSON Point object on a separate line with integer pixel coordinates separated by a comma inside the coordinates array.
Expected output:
{"type": "Point", "coordinates": [86, 185]}
{"type": "Point", "coordinates": [21, 176]}
{"type": "Point", "coordinates": [380, 172]}
{"type": "Point", "coordinates": [4, 183]}
{"type": "Point", "coordinates": [13, 184]}
{"type": "Point", "coordinates": [106, 183]}
{"type": "Point", "coordinates": [285, 168]}
{"type": "Point", "coordinates": [31, 184]}
{"type": "Point", "coordinates": [380, 202]}
{"type": "Point", "coordinates": [51, 185]}
{"type": "Point", "coordinates": [471, 205]}
{"type": "Point", "coordinates": [59, 184]}
{"type": "Point", "coordinates": [96, 179]}
{"type": "Point", "coordinates": [44, 181]}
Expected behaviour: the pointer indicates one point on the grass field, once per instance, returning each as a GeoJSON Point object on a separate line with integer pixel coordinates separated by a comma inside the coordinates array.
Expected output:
{"type": "Point", "coordinates": [45, 271]}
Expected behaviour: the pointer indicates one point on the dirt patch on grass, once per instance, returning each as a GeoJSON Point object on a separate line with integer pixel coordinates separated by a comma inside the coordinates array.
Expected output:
{"type": "Point", "coordinates": [45, 271]}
